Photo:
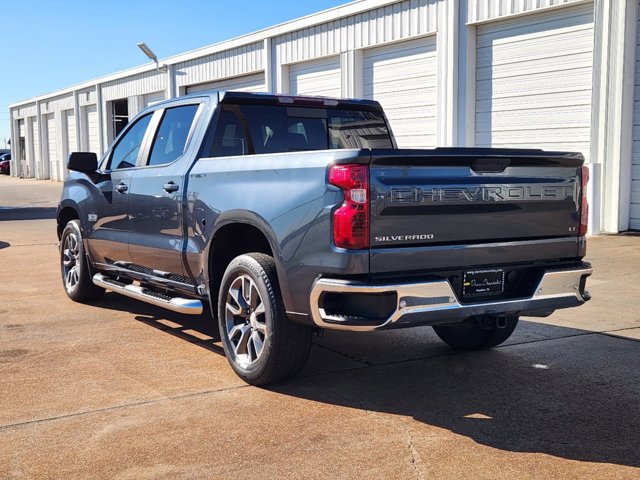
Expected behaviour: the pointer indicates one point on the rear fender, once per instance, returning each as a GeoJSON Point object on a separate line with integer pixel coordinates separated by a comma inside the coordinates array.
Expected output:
{"type": "Point", "coordinates": [252, 219]}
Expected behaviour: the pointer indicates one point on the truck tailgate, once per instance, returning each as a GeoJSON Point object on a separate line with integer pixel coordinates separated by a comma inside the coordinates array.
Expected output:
{"type": "Point", "coordinates": [463, 197]}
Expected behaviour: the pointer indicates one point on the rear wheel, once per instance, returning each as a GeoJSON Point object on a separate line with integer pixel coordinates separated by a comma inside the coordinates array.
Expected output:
{"type": "Point", "coordinates": [476, 335]}
{"type": "Point", "coordinates": [261, 344]}
{"type": "Point", "coordinates": [74, 267]}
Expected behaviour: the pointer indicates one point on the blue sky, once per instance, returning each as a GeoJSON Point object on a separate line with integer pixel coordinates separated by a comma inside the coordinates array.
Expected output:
{"type": "Point", "coordinates": [48, 45]}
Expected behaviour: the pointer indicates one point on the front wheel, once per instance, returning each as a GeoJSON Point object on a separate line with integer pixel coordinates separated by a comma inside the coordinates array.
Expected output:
{"type": "Point", "coordinates": [74, 267]}
{"type": "Point", "coordinates": [261, 344]}
{"type": "Point", "coordinates": [476, 335]}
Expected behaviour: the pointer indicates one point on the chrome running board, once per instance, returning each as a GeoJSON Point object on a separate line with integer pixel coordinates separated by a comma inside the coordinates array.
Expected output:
{"type": "Point", "coordinates": [190, 306]}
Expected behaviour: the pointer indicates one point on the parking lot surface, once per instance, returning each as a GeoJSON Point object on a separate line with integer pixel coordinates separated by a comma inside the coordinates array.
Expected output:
{"type": "Point", "coordinates": [120, 389]}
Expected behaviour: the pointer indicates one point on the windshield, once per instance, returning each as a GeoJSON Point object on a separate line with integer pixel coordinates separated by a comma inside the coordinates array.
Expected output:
{"type": "Point", "coordinates": [247, 129]}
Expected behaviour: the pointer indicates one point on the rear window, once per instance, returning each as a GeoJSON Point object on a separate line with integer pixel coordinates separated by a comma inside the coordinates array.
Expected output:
{"type": "Point", "coordinates": [249, 129]}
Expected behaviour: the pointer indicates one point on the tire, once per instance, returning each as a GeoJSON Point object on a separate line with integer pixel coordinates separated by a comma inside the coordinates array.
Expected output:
{"type": "Point", "coordinates": [261, 344]}
{"type": "Point", "coordinates": [473, 335]}
{"type": "Point", "coordinates": [74, 267]}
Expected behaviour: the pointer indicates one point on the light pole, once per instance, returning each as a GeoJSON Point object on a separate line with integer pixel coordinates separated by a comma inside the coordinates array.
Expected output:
{"type": "Point", "coordinates": [152, 56]}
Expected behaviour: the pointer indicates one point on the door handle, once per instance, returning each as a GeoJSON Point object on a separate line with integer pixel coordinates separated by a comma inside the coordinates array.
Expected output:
{"type": "Point", "coordinates": [121, 188]}
{"type": "Point", "coordinates": [170, 187]}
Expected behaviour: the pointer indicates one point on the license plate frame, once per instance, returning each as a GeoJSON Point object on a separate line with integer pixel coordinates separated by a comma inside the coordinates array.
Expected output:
{"type": "Point", "coordinates": [484, 282]}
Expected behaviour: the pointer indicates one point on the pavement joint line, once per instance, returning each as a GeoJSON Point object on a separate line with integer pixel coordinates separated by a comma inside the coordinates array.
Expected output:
{"type": "Point", "coordinates": [311, 376]}
{"type": "Point", "coordinates": [337, 370]}
{"type": "Point", "coordinates": [365, 365]}
{"type": "Point", "coordinates": [27, 423]}
{"type": "Point", "coordinates": [346, 355]}
{"type": "Point", "coordinates": [603, 333]}
{"type": "Point", "coordinates": [32, 244]}
{"type": "Point", "coordinates": [619, 337]}
{"type": "Point", "coordinates": [448, 354]}
{"type": "Point", "coordinates": [413, 453]}
{"type": "Point", "coordinates": [451, 353]}
{"type": "Point", "coordinates": [462, 352]}
{"type": "Point", "coordinates": [618, 330]}
{"type": "Point", "coordinates": [525, 342]}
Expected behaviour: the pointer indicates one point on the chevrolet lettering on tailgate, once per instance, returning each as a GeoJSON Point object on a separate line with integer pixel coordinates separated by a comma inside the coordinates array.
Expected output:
{"type": "Point", "coordinates": [485, 193]}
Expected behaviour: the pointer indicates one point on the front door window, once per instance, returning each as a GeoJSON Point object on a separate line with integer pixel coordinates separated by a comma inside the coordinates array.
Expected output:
{"type": "Point", "coordinates": [125, 153]}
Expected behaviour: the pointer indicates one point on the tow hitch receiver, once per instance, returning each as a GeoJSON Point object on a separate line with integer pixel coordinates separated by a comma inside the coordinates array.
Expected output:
{"type": "Point", "coordinates": [492, 321]}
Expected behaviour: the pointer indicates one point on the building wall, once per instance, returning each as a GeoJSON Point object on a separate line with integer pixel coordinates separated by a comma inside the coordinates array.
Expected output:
{"type": "Point", "coordinates": [394, 22]}
{"type": "Point", "coordinates": [634, 208]}
{"type": "Point", "coordinates": [229, 63]}
{"type": "Point", "coordinates": [351, 47]}
{"type": "Point", "coordinates": [482, 10]}
{"type": "Point", "coordinates": [138, 84]}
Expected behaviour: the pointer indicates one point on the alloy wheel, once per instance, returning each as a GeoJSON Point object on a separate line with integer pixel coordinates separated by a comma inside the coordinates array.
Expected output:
{"type": "Point", "coordinates": [245, 321]}
{"type": "Point", "coordinates": [71, 261]}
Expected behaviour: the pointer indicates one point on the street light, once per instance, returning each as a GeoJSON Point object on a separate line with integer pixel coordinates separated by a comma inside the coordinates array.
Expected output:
{"type": "Point", "coordinates": [152, 56]}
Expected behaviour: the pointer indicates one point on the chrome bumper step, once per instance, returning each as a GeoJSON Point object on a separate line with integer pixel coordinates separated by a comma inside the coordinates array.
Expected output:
{"type": "Point", "coordinates": [190, 306]}
{"type": "Point", "coordinates": [435, 302]}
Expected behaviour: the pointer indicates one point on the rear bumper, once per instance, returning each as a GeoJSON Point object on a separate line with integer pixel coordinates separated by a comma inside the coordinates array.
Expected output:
{"type": "Point", "coordinates": [435, 302]}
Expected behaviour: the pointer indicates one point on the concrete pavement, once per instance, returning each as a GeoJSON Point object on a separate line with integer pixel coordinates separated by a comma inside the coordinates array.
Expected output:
{"type": "Point", "coordinates": [120, 389]}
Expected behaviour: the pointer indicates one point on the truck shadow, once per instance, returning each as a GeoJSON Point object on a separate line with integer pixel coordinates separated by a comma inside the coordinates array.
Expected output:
{"type": "Point", "coordinates": [27, 213]}
{"type": "Point", "coordinates": [200, 330]}
{"type": "Point", "coordinates": [576, 397]}
{"type": "Point", "coordinates": [563, 392]}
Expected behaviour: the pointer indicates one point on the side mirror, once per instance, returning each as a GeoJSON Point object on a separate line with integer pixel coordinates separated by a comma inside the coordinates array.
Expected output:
{"type": "Point", "coordinates": [86, 162]}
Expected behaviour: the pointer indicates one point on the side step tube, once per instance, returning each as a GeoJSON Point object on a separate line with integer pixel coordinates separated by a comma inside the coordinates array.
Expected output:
{"type": "Point", "coordinates": [189, 306]}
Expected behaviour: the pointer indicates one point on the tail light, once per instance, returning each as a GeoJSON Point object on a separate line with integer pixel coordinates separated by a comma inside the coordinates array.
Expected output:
{"type": "Point", "coordinates": [584, 206]}
{"type": "Point", "coordinates": [351, 219]}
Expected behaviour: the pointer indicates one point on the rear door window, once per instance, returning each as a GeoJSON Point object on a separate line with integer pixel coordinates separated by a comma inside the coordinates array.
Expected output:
{"type": "Point", "coordinates": [173, 132]}
{"type": "Point", "coordinates": [230, 138]}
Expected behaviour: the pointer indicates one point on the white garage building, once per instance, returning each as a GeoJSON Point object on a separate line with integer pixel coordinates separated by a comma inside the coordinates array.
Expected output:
{"type": "Point", "coordinates": [553, 74]}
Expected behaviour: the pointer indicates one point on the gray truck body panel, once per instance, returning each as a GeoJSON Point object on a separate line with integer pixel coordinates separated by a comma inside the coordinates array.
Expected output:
{"type": "Point", "coordinates": [432, 212]}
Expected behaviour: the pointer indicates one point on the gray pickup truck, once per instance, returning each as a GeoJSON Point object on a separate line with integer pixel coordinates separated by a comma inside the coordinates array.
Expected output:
{"type": "Point", "coordinates": [284, 215]}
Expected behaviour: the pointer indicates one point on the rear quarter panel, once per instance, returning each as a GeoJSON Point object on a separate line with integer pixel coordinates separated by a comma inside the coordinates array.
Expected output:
{"type": "Point", "coordinates": [287, 197]}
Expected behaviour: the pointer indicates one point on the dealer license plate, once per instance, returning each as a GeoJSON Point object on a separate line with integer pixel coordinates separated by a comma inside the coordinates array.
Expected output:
{"type": "Point", "coordinates": [480, 283]}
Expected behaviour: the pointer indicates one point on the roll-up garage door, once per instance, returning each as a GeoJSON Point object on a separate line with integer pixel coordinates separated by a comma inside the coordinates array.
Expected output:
{"type": "Point", "coordinates": [247, 83]}
{"type": "Point", "coordinates": [52, 147]}
{"type": "Point", "coordinates": [37, 158]}
{"type": "Point", "coordinates": [72, 138]}
{"type": "Point", "coordinates": [318, 77]}
{"type": "Point", "coordinates": [533, 81]}
{"type": "Point", "coordinates": [152, 98]}
{"type": "Point", "coordinates": [634, 214]}
{"type": "Point", "coordinates": [93, 137]}
{"type": "Point", "coordinates": [21, 161]}
{"type": "Point", "coordinates": [402, 77]}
